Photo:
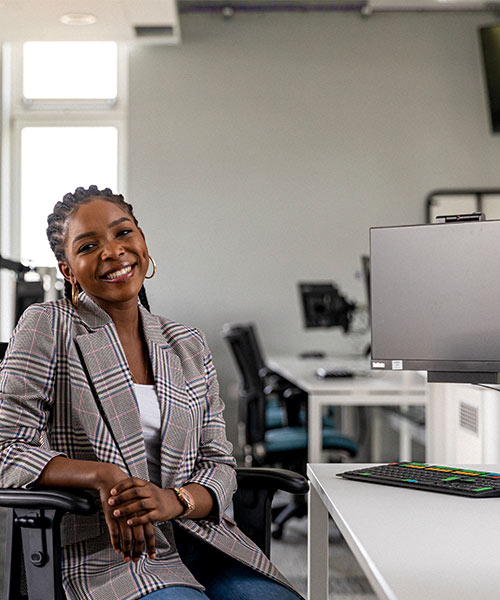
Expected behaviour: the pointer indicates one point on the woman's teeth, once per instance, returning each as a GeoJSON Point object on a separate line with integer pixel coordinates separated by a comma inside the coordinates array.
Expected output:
{"type": "Point", "coordinates": [119, 273]}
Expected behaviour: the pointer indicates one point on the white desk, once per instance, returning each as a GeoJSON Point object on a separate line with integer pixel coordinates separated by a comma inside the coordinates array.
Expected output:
{"type": "Point", "coordinates": [377, 388]}
{"type": "Point", "coordinates": [411, 545]}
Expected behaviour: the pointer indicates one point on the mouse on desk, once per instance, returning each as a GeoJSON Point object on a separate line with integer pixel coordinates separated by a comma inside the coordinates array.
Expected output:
{"type": "Point", "coordinates": [312, 354]}
{"type": "Point", "coordinates": [323, 373]}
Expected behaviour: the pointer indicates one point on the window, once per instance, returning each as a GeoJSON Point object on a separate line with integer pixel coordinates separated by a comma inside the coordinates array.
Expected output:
{"type": "Point", "coordinates": [52, 160]}
{"type": "Point", "coordinates": [70, 70]}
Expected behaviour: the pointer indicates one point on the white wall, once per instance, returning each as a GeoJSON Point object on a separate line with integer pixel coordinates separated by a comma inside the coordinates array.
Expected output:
{"type": "Point", "coordinates": [264, 147]}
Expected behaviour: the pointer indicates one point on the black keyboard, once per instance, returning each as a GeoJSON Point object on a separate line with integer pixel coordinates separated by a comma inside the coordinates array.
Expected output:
{"type": "Point", "coordinates": [326, 373]}
{"type": "Point", "coordinates": [432, 478]}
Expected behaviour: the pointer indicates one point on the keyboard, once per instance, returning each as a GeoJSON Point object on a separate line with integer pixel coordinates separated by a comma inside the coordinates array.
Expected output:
{"type": "Point", "coordinates": [325, 373]}
{"type": "Point", "coordinates": [432, 478]}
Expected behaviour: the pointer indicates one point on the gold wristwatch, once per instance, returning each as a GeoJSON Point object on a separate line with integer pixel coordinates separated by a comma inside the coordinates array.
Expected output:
{"type": "Point", "coordinates": [186, 500]}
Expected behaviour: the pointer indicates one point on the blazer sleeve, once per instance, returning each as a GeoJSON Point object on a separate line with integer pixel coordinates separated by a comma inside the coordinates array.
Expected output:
{"type": "Point", "coordinates": [26, 380]}
{"type": "Point", "coordinates": [215, 465]}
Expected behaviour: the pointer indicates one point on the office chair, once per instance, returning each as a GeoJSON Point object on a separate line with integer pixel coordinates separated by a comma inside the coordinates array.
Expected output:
{"type": "Point", "coordinates": [33, 551]}
{"type": "Point", "coordinates": [291, 399]}
{"type": "Point", "coordinates": [284, 446]}
{"type": "Point", "coordinates": [285, 403]}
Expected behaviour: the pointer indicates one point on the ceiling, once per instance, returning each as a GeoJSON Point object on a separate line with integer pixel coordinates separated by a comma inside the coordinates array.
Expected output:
{"type": "Point", "coordinates": [39, 20]}
{"type": "Point", "coordinates": [157, 21]}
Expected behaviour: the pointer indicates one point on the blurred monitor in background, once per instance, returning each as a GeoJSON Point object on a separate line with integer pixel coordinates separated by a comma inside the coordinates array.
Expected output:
{"type": "Point", "coordinates": [324, 306]}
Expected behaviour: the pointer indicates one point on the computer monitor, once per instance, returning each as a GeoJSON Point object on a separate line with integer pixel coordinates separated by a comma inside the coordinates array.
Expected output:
{"type": "Point", "coordinates": [324, 306]}
{"type": "Point", "coordinates": [435, 293]}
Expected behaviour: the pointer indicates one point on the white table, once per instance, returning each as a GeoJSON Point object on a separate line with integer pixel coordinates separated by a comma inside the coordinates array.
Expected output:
{"type": "Point", "coordinates": [411, 545]}
{"type": "Point", "coordinates": [370, 388]}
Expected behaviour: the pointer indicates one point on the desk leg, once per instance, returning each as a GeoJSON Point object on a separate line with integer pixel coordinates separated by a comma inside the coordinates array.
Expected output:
{"type": "Point", "coordinates": [348, 420]}
{"type": "Point", "coordinates": [314, 430]}
{"type": "Point", "coordinates": [376, 434]}
{"type": "Point", "coordinates": [317, 548]}
{"type": "Point", "coordinates": [404, 437]}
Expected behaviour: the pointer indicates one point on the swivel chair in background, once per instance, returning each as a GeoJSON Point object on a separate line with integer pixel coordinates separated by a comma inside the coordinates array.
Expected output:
{"type": "Point", "coordinates": [284, 446]}
{"type": "Point", "coordinates": [285, 403]}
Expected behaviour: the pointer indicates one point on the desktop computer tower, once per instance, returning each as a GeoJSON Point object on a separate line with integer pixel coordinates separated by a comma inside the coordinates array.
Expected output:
{"type": "Point", "coordinates": [463, 424]}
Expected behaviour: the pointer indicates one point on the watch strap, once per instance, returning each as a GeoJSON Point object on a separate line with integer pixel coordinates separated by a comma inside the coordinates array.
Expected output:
{"type": "Point", "coordinates": [186, 499]}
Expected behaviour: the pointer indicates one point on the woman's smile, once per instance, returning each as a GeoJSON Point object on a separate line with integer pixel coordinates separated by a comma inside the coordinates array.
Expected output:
{"type": "Point", "coordinates": [123, 273]}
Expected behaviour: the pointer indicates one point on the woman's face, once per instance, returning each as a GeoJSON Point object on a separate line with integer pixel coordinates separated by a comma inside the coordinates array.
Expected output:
{"type": "Point", "coordinates": [106, 253]}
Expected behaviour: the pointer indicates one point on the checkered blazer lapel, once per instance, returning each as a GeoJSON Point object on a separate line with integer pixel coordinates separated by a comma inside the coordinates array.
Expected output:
{"type": "Point", "coordinates": [107, 366]}
{"type": "Point", "coordinates": [170, 387]}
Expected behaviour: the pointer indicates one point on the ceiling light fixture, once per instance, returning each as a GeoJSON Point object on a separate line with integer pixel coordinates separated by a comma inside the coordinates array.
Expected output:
{"type": "Point", "coordinates": [78, 19]}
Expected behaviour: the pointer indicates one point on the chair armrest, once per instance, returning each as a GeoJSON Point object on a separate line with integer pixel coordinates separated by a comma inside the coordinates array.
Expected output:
{"type": "Point", "coordinates": [33, 538]}
{"type": "Point", "coordinates": [79, 502]}
{"type": "Point", "coordinates": [276, 479]}
{"type": "Point", "coordinates": [253, 498]}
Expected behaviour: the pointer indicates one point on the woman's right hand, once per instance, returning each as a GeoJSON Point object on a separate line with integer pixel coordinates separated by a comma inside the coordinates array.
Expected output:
{"type": "Point", "coordinates": [129, 541]}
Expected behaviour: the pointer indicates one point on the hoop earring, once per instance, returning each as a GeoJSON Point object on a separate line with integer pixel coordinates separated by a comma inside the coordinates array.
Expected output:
{"type": "Point", "coordinates": [74, 294]}
{"type": "Point", "coordinates": [154, 269]}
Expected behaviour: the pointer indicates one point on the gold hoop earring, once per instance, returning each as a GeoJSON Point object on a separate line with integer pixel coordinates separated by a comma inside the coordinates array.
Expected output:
{"type": "Point", "coordinates": [74, 294]}
{"type": "Point", "coordinates": [154, 269]}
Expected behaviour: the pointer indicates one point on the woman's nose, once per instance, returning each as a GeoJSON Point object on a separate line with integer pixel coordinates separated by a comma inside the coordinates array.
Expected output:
{"type": "Point", "coordinates": [112, 249]}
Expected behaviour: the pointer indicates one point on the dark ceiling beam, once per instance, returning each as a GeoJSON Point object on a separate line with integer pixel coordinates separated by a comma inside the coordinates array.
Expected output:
{"type": "Point", "coordinates": [232, 6]}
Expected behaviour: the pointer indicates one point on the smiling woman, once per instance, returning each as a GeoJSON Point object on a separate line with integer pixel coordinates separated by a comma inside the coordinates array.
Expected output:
{"type": "Point", "coordinates": [106, 254]}
{"type": "Point", "coordinates": [125, 403]}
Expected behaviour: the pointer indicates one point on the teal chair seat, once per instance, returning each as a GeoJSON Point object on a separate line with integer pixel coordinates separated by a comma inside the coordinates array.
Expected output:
{"type": "Point", "coordinates": [274, 414]}
{"type": "Point", "coordinates": [286, 439]}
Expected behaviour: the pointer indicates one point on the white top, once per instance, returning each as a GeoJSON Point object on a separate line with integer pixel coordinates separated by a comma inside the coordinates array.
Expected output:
{"type": "Point", "coordinates": [415, 545]}
{"type": "Point", "coordinates": [151, 426]}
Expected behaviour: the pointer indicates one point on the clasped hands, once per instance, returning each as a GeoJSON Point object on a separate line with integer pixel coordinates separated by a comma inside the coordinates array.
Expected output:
{"type": "Point", "coordinates": [131, 506]}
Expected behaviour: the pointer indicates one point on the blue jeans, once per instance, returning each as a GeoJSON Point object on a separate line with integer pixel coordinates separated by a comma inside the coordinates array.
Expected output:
{"type": "Point", "coordinates": [223, 577]}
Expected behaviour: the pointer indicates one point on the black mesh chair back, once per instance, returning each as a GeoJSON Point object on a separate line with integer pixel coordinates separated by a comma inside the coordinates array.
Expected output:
{"type": "Point", "coordinates": [257, 349]}
{"type": "Point", "coordinates": [252, 397]}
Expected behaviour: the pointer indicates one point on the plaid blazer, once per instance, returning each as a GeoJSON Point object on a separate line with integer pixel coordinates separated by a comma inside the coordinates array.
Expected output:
{"type": "Point", "coordinates": [47, 409]}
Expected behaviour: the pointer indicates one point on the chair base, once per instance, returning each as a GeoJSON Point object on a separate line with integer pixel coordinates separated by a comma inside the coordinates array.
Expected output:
{"type": "Point", "coordinates": [297, 508]}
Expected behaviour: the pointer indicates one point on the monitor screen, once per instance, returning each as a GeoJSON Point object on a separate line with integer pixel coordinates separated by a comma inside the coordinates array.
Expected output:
{"type": "Point", "coordinates": [324, 306]}
{"type": "Point", "coordinates": [435, 293]}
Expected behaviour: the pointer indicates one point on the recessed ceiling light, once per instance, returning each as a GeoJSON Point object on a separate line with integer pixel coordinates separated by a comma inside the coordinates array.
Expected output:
{"type": "Point", "coordinates": [78, 19]}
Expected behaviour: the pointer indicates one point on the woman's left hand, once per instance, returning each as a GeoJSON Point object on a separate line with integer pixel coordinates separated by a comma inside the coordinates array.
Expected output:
{"type": "Point", "coordinates": [142, 502]}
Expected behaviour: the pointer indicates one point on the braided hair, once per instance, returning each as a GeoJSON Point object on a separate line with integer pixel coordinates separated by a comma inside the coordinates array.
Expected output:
{"type": "Point", "coordinates": [58, 224]}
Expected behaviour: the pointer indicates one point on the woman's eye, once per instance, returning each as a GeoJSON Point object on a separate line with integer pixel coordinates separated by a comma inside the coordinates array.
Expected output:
{"type": "Point", "coordinates": [124, 231]}
{"type": "Point", "coordinates": [86, 247]}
